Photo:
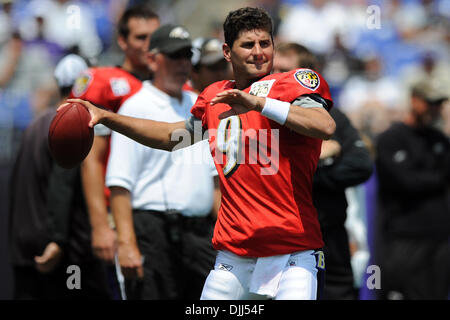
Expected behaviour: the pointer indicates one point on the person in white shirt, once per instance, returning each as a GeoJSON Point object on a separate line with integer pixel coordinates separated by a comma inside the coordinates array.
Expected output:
{"type": "Point", "coordinates": [162, 201]}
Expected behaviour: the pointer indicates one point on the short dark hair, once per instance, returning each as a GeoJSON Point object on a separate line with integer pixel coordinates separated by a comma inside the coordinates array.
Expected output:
{"type": "Point", "coordinates": [305, 58]}
{"type": "Point", "coordinates": [138, 11]}
{"type": "Point", "coordinates": [246, 19]}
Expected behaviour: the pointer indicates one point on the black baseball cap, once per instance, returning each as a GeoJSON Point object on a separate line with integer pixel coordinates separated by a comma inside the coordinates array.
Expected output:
{"type": "Point", "coordinates": [170, 38]}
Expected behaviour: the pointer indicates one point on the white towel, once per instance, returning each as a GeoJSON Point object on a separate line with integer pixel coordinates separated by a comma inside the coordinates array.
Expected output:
{"type": "Point", "coordinates": [267, 274]}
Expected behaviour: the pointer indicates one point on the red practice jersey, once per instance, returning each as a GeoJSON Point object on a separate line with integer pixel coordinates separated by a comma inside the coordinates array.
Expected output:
{"type": "Point", "coordinates": [265, 169]}
{"type": "Point", "coordinates": [107, 87]}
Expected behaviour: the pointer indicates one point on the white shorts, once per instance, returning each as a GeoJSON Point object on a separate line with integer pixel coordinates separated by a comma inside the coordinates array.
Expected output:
{"type": "Point", "coordinates": [296, 276]}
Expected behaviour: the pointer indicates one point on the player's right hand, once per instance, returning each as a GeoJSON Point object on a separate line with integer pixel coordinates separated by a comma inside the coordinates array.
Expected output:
{"type": "Point", "coordinates": [239, 101]}
{"type": "Point", "coordinates": [104, 243]}
{"type": "Point", "coordinates": [130, 260]}
{"type": "Point", "coordinates": [96, 113]}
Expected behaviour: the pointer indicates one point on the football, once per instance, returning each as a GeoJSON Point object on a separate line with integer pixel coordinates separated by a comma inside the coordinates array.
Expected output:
{"type": "Point", "coordinates": [69, 136]}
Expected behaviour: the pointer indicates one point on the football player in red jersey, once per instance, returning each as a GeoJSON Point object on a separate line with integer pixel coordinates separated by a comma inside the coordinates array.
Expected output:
{"type": "Point", "coordinates": [110, 87]}
{"type": "Point", "coordinates": [267, 231]}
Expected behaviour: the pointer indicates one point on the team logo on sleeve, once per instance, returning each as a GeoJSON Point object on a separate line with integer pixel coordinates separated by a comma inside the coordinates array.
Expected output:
{"type": "Point", "coordinates": [307, 78]}
{"type": "Point", "coordinates": [120, 86]}
{"type": "Point", "coordinates": [81, 84]}
{"type": "Point", "coordinates": [261, 88]}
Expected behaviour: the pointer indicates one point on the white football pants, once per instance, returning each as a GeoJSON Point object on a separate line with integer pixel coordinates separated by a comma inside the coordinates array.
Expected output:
{"type": "Point", "coordinates": [232, 277]}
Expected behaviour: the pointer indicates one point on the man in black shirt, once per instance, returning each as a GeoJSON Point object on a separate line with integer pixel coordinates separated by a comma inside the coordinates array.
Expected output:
{"type": "Point", "coordinates": [49, 226]}
{"type": "Point", "coordinates": [413, 168]}
{"type": "Point", "coordinates": [344, 162]}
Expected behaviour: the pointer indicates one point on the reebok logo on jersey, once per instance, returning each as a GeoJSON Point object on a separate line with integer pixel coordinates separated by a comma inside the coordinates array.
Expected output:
{"type": "Point", "coordinates": [307, 78]}
{"type": "Point", "coordinates": [261, 88]}
{"type": "Point", "coordinates": [292, 262]}
{"type": "Point", "coordinates": [225, 267]}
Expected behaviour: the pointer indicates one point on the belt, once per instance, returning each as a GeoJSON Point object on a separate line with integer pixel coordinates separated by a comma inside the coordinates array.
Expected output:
{"type": "Point", "coordinates": [174, 219]}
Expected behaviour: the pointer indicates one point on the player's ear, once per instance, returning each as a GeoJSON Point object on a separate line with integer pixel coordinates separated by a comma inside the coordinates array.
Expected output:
{"type": "Point", "coordinates": [226, 52]}
{"type": "Point", "coordinates": [121, 41]}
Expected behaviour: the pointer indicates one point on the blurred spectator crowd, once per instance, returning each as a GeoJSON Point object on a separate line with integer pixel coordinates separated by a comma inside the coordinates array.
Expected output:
{"type": "Point", "coordinates": [371, 51]}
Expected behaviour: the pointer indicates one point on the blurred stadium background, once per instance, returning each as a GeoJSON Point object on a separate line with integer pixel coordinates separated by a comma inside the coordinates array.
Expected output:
{"type": "Point", "coordinates": [371, 52]}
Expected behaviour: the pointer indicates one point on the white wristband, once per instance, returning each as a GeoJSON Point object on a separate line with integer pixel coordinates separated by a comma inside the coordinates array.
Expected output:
{"type": "Point", "coordinates": [276, 110]}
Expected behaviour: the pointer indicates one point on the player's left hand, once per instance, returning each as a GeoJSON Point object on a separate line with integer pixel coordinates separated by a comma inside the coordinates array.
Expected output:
{"type": "Point", "coordinates": [50, 258]}
{"type": "Point", "coordinates": [239, 101]}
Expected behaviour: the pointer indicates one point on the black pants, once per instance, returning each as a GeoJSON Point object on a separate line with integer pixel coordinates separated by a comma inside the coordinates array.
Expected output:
{"type": "Point", "coordinates": [174, 268]}
{"type": "Point", "coordinates": [339, 274]}
{"type": "Point", "coordinates": [29, 284]}
{"type": "Point", "coordinates": [417, 269]}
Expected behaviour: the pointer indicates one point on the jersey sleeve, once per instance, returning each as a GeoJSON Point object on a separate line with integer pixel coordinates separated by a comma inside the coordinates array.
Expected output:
{"type": "Point", "coordinates": [89, 87]}
{"type": "Point", "coordinates": [101, 130]}
{"type": "Point", "coordinates": [301, 82]}
{"type": "Point", "coordinates": [198, 110]}
{"type": "Point", "coordinates": [126, 156]}
{"type": "Point", "coordinates": [201, 106]}
{"type": "Point", "coordinates": [194, 126]}
{"type": "Point", "coordinates": [309, 102]}
{"type": "Point", "coordinates": [124, 163]}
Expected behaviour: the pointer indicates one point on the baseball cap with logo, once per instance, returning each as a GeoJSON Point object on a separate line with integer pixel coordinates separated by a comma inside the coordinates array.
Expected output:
{"type": "Point", "coordinates": [207, 51]}
{"type": "Point", "coordinates": [170, 38]}
{"type": "Point", "coordinates": [68, 69]}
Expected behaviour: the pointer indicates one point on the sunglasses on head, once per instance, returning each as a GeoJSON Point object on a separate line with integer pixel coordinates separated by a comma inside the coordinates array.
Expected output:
{"type": "Point", "coordinates": [180, 54]}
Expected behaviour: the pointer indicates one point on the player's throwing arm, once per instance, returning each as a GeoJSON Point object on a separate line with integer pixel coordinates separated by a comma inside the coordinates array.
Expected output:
{"type": "Point", "coordinates": [151, 133]}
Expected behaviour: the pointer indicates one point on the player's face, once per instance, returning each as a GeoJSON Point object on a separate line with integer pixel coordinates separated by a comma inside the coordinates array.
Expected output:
{"type": "Point", "coordinates": [251, 55]}
{"type": "Point", "coordinates": [284, 62]}
{"type": "Point", "coordinates": [135, 46]}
